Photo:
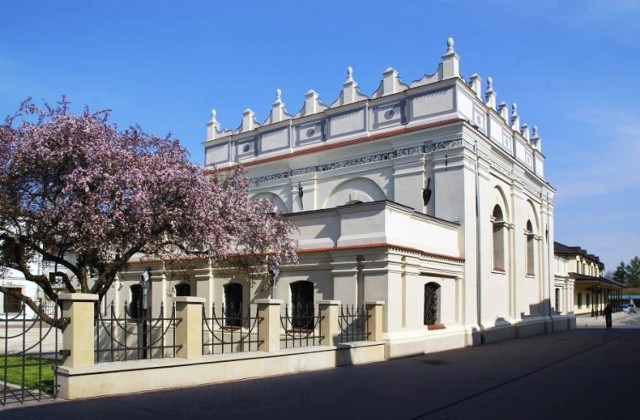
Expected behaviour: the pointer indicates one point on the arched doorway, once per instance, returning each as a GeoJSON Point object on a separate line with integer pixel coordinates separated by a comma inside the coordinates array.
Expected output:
{"type": "Point", "coordinates": [302, 311]}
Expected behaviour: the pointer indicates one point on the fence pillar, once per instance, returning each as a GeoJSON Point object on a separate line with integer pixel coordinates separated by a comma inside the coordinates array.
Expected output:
{"type": "Point", "coordinates": [269, 326]}
{"type": "Point", "coordinates": [374, 319]}
{"type": "Point", "coordinates": [329, 323]}
{"type": "Point", "coordinates": [189, 328]}
{"type": "Point", "coordinates": [77, 336]}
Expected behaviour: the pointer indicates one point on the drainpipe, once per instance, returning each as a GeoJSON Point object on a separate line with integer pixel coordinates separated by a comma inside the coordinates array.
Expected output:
{"type": "Point", "coordinates": [551, 280]}
{"type": "Point", "coordinates": [478, 245]}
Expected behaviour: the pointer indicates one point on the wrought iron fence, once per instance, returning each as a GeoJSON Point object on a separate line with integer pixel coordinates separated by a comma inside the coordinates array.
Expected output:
{"type": "Point", "coordinates": [302, 328]}
{"type": "Point", "coordinates": [30, 358]}
{"type": "Point", "coordinates": [230, 331]}
{"type": "Point", "coordinates": [133, 338]}
{"type": "Point", "coordinates": [353, 323]}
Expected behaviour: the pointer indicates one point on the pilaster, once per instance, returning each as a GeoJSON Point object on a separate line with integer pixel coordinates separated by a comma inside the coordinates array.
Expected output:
{"type": "Point", "coordinates": [375, 319]}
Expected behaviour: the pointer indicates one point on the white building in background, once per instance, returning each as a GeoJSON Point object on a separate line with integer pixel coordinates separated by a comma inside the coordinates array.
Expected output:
{"type": "Point", "coordinates": [429, 196]}
{"type": "Point", "coordinates": [14, 279]}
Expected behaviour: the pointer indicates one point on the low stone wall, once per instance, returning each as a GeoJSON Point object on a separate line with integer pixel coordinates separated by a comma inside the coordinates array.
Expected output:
{"type": "Point", "coordinates": [116, 378]}
{"type": "Point", "coordinates": [80, 377]}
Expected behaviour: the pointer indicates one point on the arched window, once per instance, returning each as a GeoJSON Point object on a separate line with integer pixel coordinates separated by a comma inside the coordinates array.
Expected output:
{"type": "Point", "coordinates": [530, 249]}
{"type": "Point", "coordinates": [302, 311]}
{"type": "Point", "coordinates": [135, 307]}
{"type": "Point", "coordinates": [431, 303]}
{"type": "Point", "coordinates": [497, 220]}
{"type": "Point", "coordinates": [233, 304]}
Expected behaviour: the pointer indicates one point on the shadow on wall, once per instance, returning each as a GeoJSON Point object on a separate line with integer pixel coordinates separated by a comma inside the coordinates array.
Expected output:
{"type": "Point", "coordinates": [542, 319]}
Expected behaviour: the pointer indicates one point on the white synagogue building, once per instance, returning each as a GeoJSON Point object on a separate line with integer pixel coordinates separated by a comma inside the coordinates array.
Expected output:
{"type": "Point", "coordinates": [428, 196]}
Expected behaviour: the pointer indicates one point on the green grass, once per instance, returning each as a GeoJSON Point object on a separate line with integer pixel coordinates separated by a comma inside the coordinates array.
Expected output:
{"type": "Point", "coordinates": [38, 373]}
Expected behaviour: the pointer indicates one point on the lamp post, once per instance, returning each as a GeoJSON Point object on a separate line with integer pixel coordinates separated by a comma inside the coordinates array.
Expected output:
{"type": "Point", "coordinates": [145, 279]}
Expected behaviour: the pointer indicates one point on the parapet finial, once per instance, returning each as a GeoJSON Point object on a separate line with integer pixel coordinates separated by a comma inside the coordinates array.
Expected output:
{"type": "Point", "coordinates": [515, 118]}
{"type": "Point", "coordinates": [278, 95]}
{"type": "Point", "coordinates": [450, 45]}
{"type": "Point", "coordinates": [212, 126]}
{"type": "Point", "coordinates": [535, 131]}
{"type": "Point", "coordinates": [489, 83]}
{"type": "Point", "coordinates": [349, 74]}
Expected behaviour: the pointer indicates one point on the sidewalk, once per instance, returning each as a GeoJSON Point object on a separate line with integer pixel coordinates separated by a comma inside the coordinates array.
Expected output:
{"type": "Point", "coordinates": [587, 321]}
{"type": "Point", "coordinates": [584, 373]}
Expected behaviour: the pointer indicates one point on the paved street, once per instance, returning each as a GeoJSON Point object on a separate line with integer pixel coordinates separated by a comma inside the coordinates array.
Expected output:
{"type": "Point", "coordinates": [589, 373]}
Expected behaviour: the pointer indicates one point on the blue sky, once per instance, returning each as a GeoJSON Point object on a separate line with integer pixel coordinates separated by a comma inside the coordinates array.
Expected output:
{"type": "Point", "coordinates": [572, 66]}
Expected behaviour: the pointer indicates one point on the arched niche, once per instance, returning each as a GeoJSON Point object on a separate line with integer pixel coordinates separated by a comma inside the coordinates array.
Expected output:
{"type": "Point", "coordinates": [278, 205]}
{"type": "Point", "coordinates": [353, 191]}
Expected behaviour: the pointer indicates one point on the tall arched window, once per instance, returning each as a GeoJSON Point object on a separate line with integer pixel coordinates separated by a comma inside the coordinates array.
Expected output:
{"type": "Point", "coordinates": [497, 220]}
{"type": "Point", "coordinates": [302, 312]}
{"type": "Point", "coordinates": [530, 249]}
{"type": "Point", "coordinates": [233, 304]}
{"type": "Point", "coordinates": [431, 303]}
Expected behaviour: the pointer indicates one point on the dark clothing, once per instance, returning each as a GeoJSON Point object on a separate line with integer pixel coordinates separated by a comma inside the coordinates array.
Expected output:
{"type": "Point", "coordinates": [607, 316]}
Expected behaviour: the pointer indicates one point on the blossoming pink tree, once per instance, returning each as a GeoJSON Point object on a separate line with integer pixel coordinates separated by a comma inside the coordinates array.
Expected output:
{"type": "Point", "coordinates": [79, 193]}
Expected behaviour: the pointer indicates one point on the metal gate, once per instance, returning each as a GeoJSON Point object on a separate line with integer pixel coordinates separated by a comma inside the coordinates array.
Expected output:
{"type": "Point", "coordinates": [29, 356]}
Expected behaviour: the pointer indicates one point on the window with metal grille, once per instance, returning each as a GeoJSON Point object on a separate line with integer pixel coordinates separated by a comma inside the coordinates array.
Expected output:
{"type": "Point", "coordinates": [12, 304]}
{"type": "Point", "coordinates": [233, 304]}
{"type": "Point", "coordinates": [302, 311]}
{"type": "Point", "coordinates": [431, 303]}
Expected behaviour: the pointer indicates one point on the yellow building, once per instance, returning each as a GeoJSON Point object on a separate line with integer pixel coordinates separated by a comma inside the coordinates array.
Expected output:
{"type": "Point", "coordinates": [592, 291]}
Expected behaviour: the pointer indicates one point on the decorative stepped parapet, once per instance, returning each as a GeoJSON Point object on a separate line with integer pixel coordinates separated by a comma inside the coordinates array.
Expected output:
{"type": "Point", "coordinates": [350, 92]}
{"type": "Point", "coordinates": [390, 84]}
{"type": "Point", "coordinates": [394, 105]}
{"type": "Point", "coordinates": [312, 105]}
{"type": "Point", "coordinates": [278, 112]}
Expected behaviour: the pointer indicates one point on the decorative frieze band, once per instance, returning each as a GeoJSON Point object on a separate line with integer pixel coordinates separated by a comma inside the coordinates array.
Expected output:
{"type": "Point", "coordinates": [380, 157]}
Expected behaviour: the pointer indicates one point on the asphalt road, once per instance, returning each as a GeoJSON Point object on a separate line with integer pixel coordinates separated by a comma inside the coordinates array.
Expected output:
{"type": "Point", "coordinates": [588, 373]}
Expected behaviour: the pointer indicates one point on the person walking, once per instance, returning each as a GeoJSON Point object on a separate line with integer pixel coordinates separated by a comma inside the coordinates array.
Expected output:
{"type": "Point", "coordinates": [607, 315]}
